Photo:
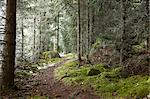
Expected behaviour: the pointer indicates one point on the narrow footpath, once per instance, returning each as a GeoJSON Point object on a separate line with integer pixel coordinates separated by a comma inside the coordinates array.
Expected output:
{"type": "Point", "coordinates": [43, 85]}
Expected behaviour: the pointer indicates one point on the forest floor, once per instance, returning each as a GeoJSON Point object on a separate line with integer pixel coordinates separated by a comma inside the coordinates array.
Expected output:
{"type": "Point", "coordinates": [43, 85]}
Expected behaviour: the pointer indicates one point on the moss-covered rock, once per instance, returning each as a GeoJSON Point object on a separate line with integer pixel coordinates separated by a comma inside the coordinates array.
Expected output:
{"type": "Point", "coordinates": [93, 72]}
{"type": "Point", "coordinates": [50, 54]}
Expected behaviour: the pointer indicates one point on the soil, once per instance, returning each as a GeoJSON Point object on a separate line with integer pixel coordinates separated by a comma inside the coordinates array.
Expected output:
{"type": "Point", "coordinates": [43, 85]}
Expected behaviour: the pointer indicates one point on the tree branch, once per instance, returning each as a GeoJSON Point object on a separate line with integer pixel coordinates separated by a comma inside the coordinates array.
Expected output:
{"type": "Point", "coordinates": [3, 17]}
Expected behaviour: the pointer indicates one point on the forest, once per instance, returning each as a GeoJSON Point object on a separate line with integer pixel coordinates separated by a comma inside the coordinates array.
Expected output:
{"type": "Point", "coordinates": [74, 49]}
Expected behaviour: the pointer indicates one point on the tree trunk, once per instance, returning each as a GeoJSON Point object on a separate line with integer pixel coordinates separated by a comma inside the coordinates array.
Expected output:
{"type": "Point", "coordinates": [34, 38]}
{"type": "Point", "coordinates": [92, 24]}
{"type": "Point", "coordinates": [22, 43]}
{"type": "Point", "coordinates": [79, 33]}
{"type": "Point", "coordinates": [88, 31]}
{"type": "Point", "coordinates": [10, 46]}
{"type": "Point", "coordinates": [40, 38]}
{"type": "Point", "coordinates": [57, 35]}
{"type": "Point", "coordinates": [147, 31]}
{"type": "Point", "coordinates": [124, 39]}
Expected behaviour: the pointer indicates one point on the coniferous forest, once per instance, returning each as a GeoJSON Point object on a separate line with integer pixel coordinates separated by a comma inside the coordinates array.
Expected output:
{"type": "Point", "coordinates": [74, 49]}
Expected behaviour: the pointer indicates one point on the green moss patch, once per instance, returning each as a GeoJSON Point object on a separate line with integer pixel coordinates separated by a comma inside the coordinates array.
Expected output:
{"type": "Point", "coordinates": [70, 55]}
{"type": "Point", "coordinates": [49, 55]}
{"type": "Point", "coordinates": [107, 83]}
{"type": "Point", "coordinates": [38, 97]}
{"type": "Point", "coordinates": [49, 61]}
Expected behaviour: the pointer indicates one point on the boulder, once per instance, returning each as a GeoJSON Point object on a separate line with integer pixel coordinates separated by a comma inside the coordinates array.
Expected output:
{"type": "Point", "coordinates": [50, 55]}
{"type": "Point", "coordinates": [93, 72]}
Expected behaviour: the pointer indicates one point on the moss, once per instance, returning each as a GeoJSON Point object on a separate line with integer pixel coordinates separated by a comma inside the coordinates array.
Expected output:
{"type": "Point", "coordinates": [66, 69]}
{"type": "Point", "coordinates": [134, 86]}
{"type": "Point", "coordinates": [49, 55]}
{"type": "Point", "coordinates": [48, 61]}
{"type": "Point", "coordinates": [22, 74]}
{"type": "Point", "coordinates": [97, 43]}
{"type": "Point", "coordinates": [39, 97]}
{"type": "Point", "coordinates": [70, 55]}
{"type": "Point", "coordinates": [107, 83]}
{"type": "Point", "coordinates": [93, 72]}
{"type": "Point", "coordinates": [34, 67]}
{"type": "Point", "coordinates": [54, 60]}
{"type": "Point", "coordinates": [100, 67]}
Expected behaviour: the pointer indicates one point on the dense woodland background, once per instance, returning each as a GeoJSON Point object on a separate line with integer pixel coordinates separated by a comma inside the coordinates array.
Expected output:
{"type": "Point", "coordinates": [110, 32]}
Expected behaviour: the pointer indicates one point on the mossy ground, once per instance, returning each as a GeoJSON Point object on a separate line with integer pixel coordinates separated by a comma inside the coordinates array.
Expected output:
{"type": "Point", "coordinates": [38, 97]}
{"type": "Point", "coordinates": [108, 83]}
{"type": "Point", "coordinates": [49, 61]}
{"type": "Point", "coordinates": [70, 55]}
{"type": "Point", "coordinates": [31, 68]}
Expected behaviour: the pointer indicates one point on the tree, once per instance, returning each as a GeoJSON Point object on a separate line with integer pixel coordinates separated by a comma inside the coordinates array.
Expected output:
{"type": "Point", "coordinates": [124, 47]}
{"type": "Point", "coordinates": [8, 64]}
{"type": "Point", "coordinates": [147, 30]}
{"type": "Point", "coordinates": [88, 30]}
{"type": "Point", "coordinates": [22, 35]}
{"type": "Point", "coordinates": [34, 38]}
{"type": "Point", "coordinates": [57, 34]}
{"type": "Point", "coordinates": [79, 33]}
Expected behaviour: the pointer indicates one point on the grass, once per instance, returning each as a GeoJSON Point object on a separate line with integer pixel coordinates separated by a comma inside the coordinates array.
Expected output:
{"type": "Point", "coordinates": [108, 83]}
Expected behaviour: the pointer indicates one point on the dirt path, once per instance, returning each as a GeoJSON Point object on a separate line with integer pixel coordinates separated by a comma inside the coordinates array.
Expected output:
{"type": "Point", "coordinates": [44, 84]}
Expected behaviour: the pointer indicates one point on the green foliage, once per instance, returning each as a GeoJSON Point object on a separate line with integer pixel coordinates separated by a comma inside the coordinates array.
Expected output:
{"type": "Point", "coordinates": [138, 48]}
{"type": "Point", "coordinates": [107, 82]}
{"type": "Point", "coordinates": [97, 43]}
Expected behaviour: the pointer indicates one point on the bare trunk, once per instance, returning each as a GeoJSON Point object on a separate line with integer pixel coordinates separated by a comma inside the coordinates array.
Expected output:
{"type": "Point", "coordinates": [22, 43]}
{"type": "Point", "coordinates": [34, 38]}
{"type": "Point", "coordinates": [79, 33]}
{"type": "Point", "coordinates": [88, 31]}
{"type": "Point", "coordinates": [147, 31]}
{"type": "Point", "coordinates": [57, 35]}
{"type": "Point", "coordinates": [10, 46]}
{"type": "Point", "coordinates": [124, 46]}
{"type": "Point", "coordinates": [92, 23]}
{"type": "Point", "coordinates": [40, 38]}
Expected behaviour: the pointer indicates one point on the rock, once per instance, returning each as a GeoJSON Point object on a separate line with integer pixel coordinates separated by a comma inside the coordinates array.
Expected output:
{"type": "Point", "coordinates": [93, 72]}
{"type": "Point", "coordinates": [50, 55]}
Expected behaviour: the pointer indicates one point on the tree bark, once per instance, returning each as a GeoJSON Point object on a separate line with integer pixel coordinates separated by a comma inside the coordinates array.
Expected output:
{"type": "Point", "coordinates": [79, 33]}
{"type": "Point", "coordinates": [57, 34]}
{"type": "Point", "coordinates": [124, 39]}
{"type": "Point", "coordinates": [10, 46]}
{"type": "Point", "coordinates": [34, 39]}
{"type": "Point", "coordinates": [22, 43]}
{"type": "Point", "coordinates": [40, 38]}
{"type": "Point", "coordinates": [147, 31]}
{"type": "Point", "coordinates": [88, 30]}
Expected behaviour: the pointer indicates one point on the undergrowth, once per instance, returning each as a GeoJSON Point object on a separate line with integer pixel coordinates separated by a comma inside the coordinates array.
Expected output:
{"type": "Point", "coordinates": [108, 83]}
